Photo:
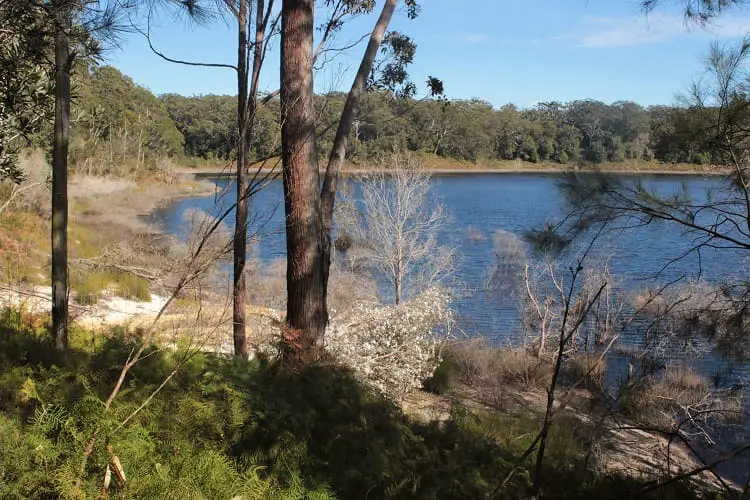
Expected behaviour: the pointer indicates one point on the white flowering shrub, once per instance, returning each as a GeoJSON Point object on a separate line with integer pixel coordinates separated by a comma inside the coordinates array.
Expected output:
{"type": "Point", "coordinates": [393, 349]}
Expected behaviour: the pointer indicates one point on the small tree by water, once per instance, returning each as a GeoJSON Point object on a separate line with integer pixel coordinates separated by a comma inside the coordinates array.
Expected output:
{"type": "Point", "coordinates": [401, 224]}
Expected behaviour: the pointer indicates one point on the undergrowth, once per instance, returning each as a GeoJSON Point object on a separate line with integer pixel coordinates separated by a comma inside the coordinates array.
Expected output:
{"type": "Point", "coordinates": [91, 286]}
{"type": "Point", "coordinates": [229, 428]}
{"type": "Point", "coordinates": [24, 248]}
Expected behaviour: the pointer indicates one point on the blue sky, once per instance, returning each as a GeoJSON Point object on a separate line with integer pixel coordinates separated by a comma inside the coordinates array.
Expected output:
{"type": "Point", "coordinates": [502, 51]}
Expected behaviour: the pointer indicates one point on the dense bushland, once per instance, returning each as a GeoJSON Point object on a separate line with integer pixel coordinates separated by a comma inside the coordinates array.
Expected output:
{"type": "Point", "coordinates": [578, 132]}
{"type": "Point", "coordinates": [225, 427]}
{"type": "Point", "coordinates": [121, 128]}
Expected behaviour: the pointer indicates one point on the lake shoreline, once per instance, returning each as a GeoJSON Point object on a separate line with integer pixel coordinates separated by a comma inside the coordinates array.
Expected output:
{"type": "Point", "coordinates": [620, 440]}
{"type": "Point", "coordinates": [203, 173]}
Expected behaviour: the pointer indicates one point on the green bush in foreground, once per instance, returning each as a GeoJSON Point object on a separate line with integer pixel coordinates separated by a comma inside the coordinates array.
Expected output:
{"type": "Point", "coordinates": [226, 428]}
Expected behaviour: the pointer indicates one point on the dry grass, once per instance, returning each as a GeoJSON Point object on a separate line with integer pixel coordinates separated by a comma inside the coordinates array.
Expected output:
{"type": "Point", "coordinates": [89, 287]}
{"type": "Point", "coordinates": [665, 401]}
{"type": "Point", "coordinates": [519, 366]}
{"type": "Point", "coordinates": [104, 223]}
{"type": "Point", "coordinates": [588, 369]}
{"type": "Point", "coordinates": [684, 302]}
{"type": "Point", "coordinates": [267, 287]}
{"type": "Point", "coordinates": [682, 380]}
{"type": "Point", "coordinates": [480, 365]}
{"type": "Point", "coordinates": [32, 194]}
{"type": "Point", "coordinates": [24, 248]}
{"type": "Point", "coordinates": [24, 223]}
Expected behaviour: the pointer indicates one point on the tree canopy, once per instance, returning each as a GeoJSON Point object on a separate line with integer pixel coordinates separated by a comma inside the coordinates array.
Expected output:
{"type": "Point", "coordinates": [584, 131]}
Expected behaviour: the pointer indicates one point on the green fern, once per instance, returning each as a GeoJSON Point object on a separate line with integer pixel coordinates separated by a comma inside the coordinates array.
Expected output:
{"type": "Point", "coordinates": [49, 419]}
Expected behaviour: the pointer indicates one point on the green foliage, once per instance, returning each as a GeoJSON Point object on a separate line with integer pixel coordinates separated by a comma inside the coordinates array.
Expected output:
{"type": "Point", "coordinates": [25, 92]}
{"type": "Point", "coordinates": [462, 130]}
{"type": "Point", "coordinates": [227, 427]}
{"type": "Point", "coordinates": [209, 125]}
{"type": "Point", "coordinates": [118, 126]}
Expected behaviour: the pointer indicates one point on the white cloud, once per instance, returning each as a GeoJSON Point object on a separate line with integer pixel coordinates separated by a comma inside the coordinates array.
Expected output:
{"type": "Point", "coordinates": [474, 38]}
{"type": "Point", "coordinates": [657, 28]}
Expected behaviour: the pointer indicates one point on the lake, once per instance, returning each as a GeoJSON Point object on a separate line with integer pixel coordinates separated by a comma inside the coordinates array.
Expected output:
{"type": "Point", "coordinates": [480, 205]}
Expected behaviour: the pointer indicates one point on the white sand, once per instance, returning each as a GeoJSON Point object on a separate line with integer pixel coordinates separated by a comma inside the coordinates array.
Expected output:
{"type": "Point", "coordinates": [108, 311]}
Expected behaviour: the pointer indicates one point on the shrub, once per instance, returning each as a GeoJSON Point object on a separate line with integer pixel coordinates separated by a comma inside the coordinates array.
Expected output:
{"type": "Point", "coordinates": [132, 287]}
{"type": "Point", "coordinates": [392, 349]}
{"type": "Point", "coordinates": [343, 242]}
{"type": "Point", "coordinates": [681, 380]}
{"type": "Point", "coordinates": [481, 365]}
{"type": "Point", "coordinates": [586, 368]}
{"type": "Point", "coordinates": [519, 366]}
{"type": "Point", "coordinates": [442, 378]}
{"type": "Point", "coordinates": [90, 287]}
{"type": "Point", "coordinates": [472, 359]}
{"type": "Point", "coordinates": [475, 235]}
{"type": "Point", "coordinates": [663, 401]}
{"type": "Point", "coordinates": [230, 428]}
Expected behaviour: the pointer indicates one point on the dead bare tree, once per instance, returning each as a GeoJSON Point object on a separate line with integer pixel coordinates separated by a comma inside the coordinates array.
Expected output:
{"type": "Point", "coordinates": [716, 222]}
{"type": "Point", "coordinates": [576, 303]}
{"type": "Point", "coordinates": [681, 406]}
{"type": "Point", "coordinates": [401, 224]}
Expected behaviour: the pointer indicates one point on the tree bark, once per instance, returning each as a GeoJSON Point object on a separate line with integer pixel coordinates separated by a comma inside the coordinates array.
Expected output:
{"type": "Point", "coordinates": [308, 207]}
{"type": "Point", "coordinates": [240, 228]}
{"type": "Point", "coordinates": [338, 151]}
{"type": "Point", "coordinates": [63, 59]}
{"type": "Point", "coordinates": [307, 244]}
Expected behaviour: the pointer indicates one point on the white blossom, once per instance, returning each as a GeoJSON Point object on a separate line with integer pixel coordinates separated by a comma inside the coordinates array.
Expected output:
{"type": "Point", "coordinates": [392, 348]}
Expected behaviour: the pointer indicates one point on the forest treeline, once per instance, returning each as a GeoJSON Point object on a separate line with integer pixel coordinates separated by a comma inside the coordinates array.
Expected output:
{"type": "Point", "coordinates": [118, 125]}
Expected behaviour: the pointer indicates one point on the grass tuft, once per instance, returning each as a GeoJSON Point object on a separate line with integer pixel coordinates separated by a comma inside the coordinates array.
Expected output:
{"type": "Point", "coordinates": [91, 287]}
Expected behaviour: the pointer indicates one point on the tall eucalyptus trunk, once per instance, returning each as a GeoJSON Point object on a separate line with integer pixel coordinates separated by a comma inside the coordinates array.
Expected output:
{"type": "Point", "coordinates": [239, 291]}
{"type": "Point", "coordinates": [306, 243]}
{"type": "Point", "coordinates": [63, 64]}
{"type": "Point", "coordinates": [308, 208]}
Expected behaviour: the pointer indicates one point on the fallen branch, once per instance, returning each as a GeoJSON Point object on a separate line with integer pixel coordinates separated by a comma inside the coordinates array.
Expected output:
{"type": "Point", "coordinates": [135, 271]}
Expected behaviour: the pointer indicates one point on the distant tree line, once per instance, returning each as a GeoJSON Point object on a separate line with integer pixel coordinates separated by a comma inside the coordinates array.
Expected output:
{"type": "Point", "coordinates": [119, 126]}
{"type": "Point", "coordinates": [583, 131]}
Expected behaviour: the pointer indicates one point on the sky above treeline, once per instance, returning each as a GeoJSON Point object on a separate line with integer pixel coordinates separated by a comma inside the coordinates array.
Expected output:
{"type": "Point", "coordinates": [521, 51]}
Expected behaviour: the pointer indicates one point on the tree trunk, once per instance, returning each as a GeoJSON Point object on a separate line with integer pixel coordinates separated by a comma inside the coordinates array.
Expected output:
{"type": "Point", "coordinates": [309, 209]}
{"type": "Point", "coordinates": [240, 227]}
{"type": "Point", "coordinates": [340, 142]}
{"type": "Point", "coordinates": [307, 244]}
{"type": "Point", "coordinates": [60, 182]}
{"type": "Point", "coordinates": [338, 151]}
